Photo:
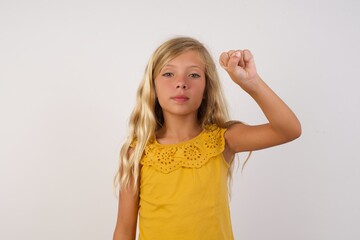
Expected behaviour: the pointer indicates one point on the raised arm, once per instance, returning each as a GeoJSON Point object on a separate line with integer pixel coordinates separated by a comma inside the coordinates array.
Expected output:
{"type": "Point", "coordinates": [283, 125]}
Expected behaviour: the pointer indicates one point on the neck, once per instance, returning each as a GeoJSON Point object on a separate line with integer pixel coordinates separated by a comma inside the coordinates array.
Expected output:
{"type": "Point", "coordinates": [178, 129]}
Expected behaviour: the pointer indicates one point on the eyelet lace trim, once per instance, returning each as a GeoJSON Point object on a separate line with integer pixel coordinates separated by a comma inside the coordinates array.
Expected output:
{"type": "Point", "coordinates": [191, 154]}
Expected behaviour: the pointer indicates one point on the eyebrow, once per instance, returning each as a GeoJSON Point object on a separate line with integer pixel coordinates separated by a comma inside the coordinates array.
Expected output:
{"type": "Point", "coordinates": [191, 66]}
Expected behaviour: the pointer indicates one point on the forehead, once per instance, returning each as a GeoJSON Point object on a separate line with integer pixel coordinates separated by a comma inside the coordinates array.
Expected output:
{"type": "Point", "coordinates": [190, 58]}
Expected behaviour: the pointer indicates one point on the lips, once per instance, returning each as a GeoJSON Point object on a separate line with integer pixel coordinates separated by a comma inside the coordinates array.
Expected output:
{"type": "Point", "coordinates": [180, 98]}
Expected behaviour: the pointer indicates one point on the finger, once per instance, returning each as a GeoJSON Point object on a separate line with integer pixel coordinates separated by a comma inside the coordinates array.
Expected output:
{"type": "Point", "coordinates": [242, 62]}
{"type": "Point", "coordinates": [247, 55]}
{"type": "Point", "coordinates": [234, 61]}
{"type": "Point", "coordinates": [249, 59]}
{"type": "Point", "coordinates": [230, 52]}
{"type": "Point", "coordinates": [224, 59]}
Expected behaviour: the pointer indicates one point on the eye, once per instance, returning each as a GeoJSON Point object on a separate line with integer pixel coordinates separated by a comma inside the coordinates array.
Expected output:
{"type": "Point", "coordinates": [194, 75]}
{"type": "Point", "coordinates": [168, 74]}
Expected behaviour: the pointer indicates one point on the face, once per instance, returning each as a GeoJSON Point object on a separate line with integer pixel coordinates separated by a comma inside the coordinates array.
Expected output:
{"type": "Point", "coordinates": [180, 85]}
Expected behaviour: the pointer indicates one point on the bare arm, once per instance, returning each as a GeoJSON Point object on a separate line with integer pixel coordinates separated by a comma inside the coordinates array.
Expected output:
{"type": "Point", "coordinates": [128, 208]}
{"type": "Point", "coordinates": [127, 214]}
{"type": "Point", "coordinates": [283, 125]}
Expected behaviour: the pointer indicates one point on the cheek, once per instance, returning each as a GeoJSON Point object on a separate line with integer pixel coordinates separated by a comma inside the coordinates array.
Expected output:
{"type": "Point", "coordinates": [158, 87]}
{"type": "Point", "coordinates": [161, 92]}
{"type": "Point", "coordinates": [203, 87]}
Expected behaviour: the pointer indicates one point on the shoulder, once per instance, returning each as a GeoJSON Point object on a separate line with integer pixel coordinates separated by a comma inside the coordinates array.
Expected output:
{"type": "Point", "coordinates": [228, 128]}
{"type": "Point", "coordinates": [213, 133]}
{"type": "Point", "coordinates": [214, 128]}
{"type": "Point", "coordinates": [232, 128]}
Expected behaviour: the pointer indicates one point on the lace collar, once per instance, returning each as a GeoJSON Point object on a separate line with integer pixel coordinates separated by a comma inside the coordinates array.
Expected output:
{"type": "Point", "coordinates": [193, 153]}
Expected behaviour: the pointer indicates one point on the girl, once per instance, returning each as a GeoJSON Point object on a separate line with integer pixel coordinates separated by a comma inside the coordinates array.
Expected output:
{"type": "Point", "coordinates": [176, 162]}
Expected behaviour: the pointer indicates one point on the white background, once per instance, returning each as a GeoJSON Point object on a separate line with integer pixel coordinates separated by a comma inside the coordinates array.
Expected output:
{"type": "Point", "coordinates": [69, 71]}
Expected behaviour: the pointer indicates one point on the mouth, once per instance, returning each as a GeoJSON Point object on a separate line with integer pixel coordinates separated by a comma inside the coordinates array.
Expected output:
{"type": "Point", "coordinates": [180, 98]}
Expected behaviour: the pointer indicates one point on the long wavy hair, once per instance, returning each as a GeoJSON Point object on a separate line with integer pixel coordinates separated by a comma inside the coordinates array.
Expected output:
{"type": "Point", "coordinates": [147, 117]}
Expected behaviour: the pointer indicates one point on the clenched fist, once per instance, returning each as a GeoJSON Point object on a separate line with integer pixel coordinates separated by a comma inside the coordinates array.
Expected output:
{"type": "Point", "coordinates": [240, 66]}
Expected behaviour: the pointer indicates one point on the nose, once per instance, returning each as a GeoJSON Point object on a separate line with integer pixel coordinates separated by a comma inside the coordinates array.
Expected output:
{"type": "Point", "coordinates": [181, 85]}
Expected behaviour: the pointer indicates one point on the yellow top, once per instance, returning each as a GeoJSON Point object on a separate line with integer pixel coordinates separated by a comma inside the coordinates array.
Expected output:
{"type": "Point", "coordinates": [183, 190]}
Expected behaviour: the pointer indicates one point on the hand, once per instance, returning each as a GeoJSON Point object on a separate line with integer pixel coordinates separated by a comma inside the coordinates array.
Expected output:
{"type": "Point", "coordinates": [240, 66]}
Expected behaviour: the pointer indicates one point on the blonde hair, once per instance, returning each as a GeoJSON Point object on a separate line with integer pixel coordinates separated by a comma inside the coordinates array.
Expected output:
{"type": "Point", "coordinates": [147, 116]}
